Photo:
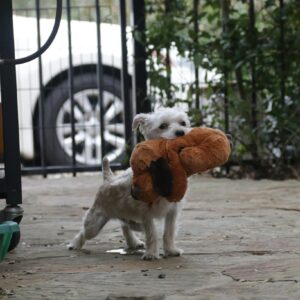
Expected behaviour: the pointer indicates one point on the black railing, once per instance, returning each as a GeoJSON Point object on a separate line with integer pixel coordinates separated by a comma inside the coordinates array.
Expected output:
{"type": "Point", "coordinates": [10, 183]}
{"type": "Point", "coordinates": [83, 110]}
{"type": "Point", "coordinates": [88, 86]}
{"type": "Point", "coordinates": [10, 179]}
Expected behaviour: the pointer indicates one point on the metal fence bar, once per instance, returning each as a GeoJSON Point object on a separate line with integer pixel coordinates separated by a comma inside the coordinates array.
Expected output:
{"type": "Point", "coordinates": [168, 9]}
{"type": "Point", "coordinates": [67, 169]}
{"type": "Point", "coordinates": [64, 169]}
{"type": "Point", "coordinates": [225, 20]}
{"type": "Point", "coordinates": [282, 50]}
{"type": "Point", "coordinates": [142, 103]}
{"type": "Point", "coordinates": [196, 32]}
{"type": "Point", "coordinates": [71, 85]}
{"type": "Point", "coordinates": [225, 30]}
{"type": "Point", "coordinates": [100, 77]}
{"type": "Point", "coordinates": [252, 39]}
{"type": "Point", "coordinates": [41, 100]}
{"type": "Point", "coordinates": [37, 170]}
{"type": "Point", "coordinates": [10, 107]}
{"type": "Point", "coordinates": [125, 81]}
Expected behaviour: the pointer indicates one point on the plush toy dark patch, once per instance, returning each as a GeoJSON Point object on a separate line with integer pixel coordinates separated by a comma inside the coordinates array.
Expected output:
{"type": "Point", "coordinates": [159, 160]}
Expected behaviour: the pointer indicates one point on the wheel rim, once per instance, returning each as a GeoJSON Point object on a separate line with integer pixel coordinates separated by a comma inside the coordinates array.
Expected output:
{"type": "Point", "coordinates": [87, 127]}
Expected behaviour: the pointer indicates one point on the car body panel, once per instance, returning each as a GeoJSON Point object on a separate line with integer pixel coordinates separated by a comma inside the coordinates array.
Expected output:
{"type": "Point", "coordinates": [56, 60]}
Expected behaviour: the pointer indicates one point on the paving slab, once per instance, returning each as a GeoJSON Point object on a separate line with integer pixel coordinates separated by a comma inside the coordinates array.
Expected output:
{"type": "Point", "coordinates": [241, 240]}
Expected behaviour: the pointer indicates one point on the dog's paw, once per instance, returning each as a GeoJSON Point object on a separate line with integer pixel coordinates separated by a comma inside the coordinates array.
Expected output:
{"type": "Point", "coordinates": [137, 245]}
{"type": "Point", "coordinates": [70, 246]}
{"type": "Point", "coordinates": [77, 242]}
{"type": "Point", "coordinates": [74, 245]}
{"type": "Point", "coordinates": [150, 256]}
{"type": "Point", "coordinates": [173, 252]}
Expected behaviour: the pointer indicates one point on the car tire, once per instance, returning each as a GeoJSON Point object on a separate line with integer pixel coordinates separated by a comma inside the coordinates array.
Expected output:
{"type": "Point", "coordinates": [15, 239]}
{"type": "Point", "coordinates": [57, 120]}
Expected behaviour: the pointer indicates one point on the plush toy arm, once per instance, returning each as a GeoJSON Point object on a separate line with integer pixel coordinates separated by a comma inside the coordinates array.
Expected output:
{"type": "Point", "coordinates": [211, 152]}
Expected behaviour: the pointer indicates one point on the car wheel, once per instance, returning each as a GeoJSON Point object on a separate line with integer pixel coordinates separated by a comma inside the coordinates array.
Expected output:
{"type": "Point", "coordinates": [87, 125]}
{"type": "Point", "coordinates": [14, 242]}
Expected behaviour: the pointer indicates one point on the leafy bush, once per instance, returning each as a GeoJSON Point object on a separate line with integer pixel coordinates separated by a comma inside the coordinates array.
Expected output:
{"type": "Point", "coordinates": [253, 48]}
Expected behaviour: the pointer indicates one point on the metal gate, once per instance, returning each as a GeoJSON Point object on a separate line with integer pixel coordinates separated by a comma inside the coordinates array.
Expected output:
{"type": "Point", "coordinates": [77, 100]}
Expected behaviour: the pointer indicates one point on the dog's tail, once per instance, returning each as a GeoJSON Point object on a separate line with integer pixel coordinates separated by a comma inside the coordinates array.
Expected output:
{"type": "Point", "coordinates": [107, 172]}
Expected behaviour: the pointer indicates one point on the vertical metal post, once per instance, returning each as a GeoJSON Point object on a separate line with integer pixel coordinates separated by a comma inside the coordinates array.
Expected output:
{"type": "Point", "coordinates": [196, 32]}
{"type": "Point", "coordinates": [252, 38]}
{"type": "Point", "coordinates": [71, 85]}
{"type": "Point", "coordinates": [168, 9]}
{"type": "Point", "coordinates": [100, 77]}
{"type": "Point", "coordinates": [225, 20]}
{"type": "Point", "coordinates": [125, 81]}
{"type": "Point", "coordinates": [10, 107]}
{"type": "Point", "coordinates": [41, 100]}
{"type": "Point", "coordinates": [142, 103]}
{"type": "Point", "coordinates": [282, 68]}
{"type": "Point", "coordinates": [282, 51]}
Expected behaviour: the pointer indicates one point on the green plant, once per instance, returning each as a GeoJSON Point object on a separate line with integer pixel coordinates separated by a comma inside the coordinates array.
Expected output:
{"type": "Point", "coordinates": [253, 48]}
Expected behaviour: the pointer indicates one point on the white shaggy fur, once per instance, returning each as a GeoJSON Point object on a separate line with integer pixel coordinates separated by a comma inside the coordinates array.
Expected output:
{"type": "Point", "coordinates": [114, 200]}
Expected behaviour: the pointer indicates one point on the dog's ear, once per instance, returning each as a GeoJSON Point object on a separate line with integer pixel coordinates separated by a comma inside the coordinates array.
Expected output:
{"type": "Point", "coordinates": [138, 121]}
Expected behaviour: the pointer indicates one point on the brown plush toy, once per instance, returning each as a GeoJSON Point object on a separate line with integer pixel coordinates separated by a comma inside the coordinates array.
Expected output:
{"type": "Point", "coordinates": [198, 151]}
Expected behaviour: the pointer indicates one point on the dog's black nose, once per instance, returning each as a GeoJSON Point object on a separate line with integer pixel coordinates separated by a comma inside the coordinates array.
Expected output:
{"type": "Point", "coordinates": [179, 133]}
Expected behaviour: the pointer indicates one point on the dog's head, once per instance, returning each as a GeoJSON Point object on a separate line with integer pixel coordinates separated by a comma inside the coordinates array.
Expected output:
{"type": "Point", "coordinates": [166, 123]}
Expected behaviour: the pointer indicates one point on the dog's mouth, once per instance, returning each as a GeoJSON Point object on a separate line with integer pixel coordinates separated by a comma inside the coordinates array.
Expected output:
{"type": "Point", "coordinates": [177, 134]}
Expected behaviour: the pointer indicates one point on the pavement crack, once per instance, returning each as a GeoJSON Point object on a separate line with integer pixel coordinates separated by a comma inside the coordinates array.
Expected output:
{"type": "Point", "coordinates": [230, 253]}
{"type": "Point", "coordinates": [288, 209]}
{"type": "Point", "coordinates": [268, 280]}
{"type": "Point", "coordinates": [230, 276]}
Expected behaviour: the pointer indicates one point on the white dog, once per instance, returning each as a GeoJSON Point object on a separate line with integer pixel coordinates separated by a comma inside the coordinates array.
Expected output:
{"type": "Point", "coordinates": [114, 199]}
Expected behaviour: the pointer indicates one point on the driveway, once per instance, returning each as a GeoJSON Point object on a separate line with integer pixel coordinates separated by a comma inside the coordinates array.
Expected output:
{"type": "Point", "coordinates": [241, 240]}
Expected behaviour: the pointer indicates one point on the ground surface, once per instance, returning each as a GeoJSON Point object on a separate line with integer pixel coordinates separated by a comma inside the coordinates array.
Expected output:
{"type": "Point", "coordinates": [241, 241]}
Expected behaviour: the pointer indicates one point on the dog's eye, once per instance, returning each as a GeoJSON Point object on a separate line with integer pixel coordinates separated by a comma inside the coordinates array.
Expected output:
{"type": "Point", "coordinates": [163, 126]}
{"type": "Point", "coordinates": [183, 123]}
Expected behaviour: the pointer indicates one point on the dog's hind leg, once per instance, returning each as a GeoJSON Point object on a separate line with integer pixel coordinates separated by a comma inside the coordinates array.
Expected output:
{"type": "Point", "coordinates": [132, 241]}
{"type": "Point", "coordinates": [93, 222]}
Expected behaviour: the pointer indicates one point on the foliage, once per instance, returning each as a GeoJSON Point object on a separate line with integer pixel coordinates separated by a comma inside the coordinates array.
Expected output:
{"type": "Point", "coordinates": [80, 10]}
{"type": "Point", "coordinates": [255, 59]}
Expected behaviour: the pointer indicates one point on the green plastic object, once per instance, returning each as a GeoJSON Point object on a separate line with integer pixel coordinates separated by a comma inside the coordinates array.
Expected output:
{"type": "Point", "coordinates": [6, 231]}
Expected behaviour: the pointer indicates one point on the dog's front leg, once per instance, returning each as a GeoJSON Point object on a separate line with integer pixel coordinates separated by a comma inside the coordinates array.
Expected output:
{"type": "Point", "coordinates": [169, 234]}
{"type": "Point", "coordinates": [151, 240]}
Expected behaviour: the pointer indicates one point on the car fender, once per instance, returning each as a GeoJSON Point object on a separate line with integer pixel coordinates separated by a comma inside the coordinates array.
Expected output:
{"type": "Point", "coordinates": [56, 61]}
